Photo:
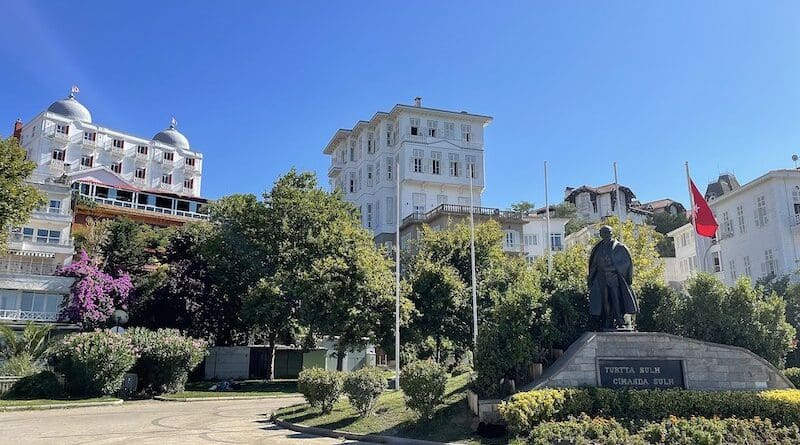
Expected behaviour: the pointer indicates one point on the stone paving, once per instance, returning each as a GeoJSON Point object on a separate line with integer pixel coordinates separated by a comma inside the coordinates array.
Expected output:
{"type": "Point", "coordinates": [154, 422]}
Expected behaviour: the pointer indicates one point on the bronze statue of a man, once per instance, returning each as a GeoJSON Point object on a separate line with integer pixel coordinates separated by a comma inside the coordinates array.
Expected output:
{"type": "Point", "coordinates": [610, 277]}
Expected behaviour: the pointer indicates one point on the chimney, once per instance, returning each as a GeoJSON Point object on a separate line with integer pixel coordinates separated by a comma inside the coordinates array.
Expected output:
{"type": "Point", "coordinates": [18, 129]}
{"type": "Point", "coordinates": [417, 101]}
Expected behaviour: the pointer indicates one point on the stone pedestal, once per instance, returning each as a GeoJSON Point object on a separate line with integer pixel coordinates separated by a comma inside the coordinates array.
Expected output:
{"type": "Point", "coordinates": [647, 360]}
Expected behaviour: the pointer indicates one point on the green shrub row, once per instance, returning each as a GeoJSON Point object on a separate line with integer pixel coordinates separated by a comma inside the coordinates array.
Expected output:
{"type": "Point", "coordinates": [525, 410]}
{"type": "Point", "coordinates": [585, 430]}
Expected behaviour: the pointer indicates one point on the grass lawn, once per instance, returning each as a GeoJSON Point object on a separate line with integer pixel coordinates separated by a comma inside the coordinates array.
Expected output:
{"type": "Point", "coordinates": [451, 423]}
{"type": "Point", "coordinates": [246, 388]}
{"type": "Point", "coordinates": [38, 402]}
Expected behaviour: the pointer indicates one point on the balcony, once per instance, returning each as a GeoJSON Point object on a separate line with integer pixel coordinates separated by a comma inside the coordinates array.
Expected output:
{"type": "Point", "coordinates": [59, 136]}
{"type": "Point", "coordinates": [90, 145]}
{"type": "Point", "coordinates": [20, 315]}
{"type": "Point", "coordinates": [423, 137]}
{"type": "Point", "coordinates": [140, 181]}
{"type": "Point", "coordinates": [56, 166]}
{"type": "Point", "coordinates": [462, 211]}
{"type": "Point", "coordinates": [794, 220]}
{"type": "Point", "coordinates": [146, 207]}
{"type": "Point", "coordinates": [142, 157]}
{"type": "Point", "coordinates": [31, 242]}
{"type": "Point", "coordinates": [117, 152]}
{"type": "Point", "coordinates": [166, 187]}
{"type": "Point", "coordinates": [27, 267]}
{"type": "Point", "coordinates": [190, 170]}
{"type": "Point", "coordinates": [52, 214]}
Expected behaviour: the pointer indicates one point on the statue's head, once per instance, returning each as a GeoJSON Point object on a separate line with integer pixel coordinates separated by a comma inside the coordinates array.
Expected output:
{"type": "Point", "coordinates": [606, 232]}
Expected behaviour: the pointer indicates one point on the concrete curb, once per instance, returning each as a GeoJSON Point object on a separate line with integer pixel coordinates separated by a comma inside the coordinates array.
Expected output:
{"type": "Point", "coordinates": [337, 434]}
{"type": "Point", "coordinates": [212, 399]}
{"type": "Point", "coordinates": [59, 406]}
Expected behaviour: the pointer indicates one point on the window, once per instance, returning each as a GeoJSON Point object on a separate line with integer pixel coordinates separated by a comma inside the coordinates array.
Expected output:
{"type": "Point", "coordinates": [352, 183]}
{"type": "Point", "coordinates": [684, 239]}
{"type": "Point", "coordinates": [761, 212]}
{"type": "Point", "coordinates": [717, 265]}
{"type": "Point", "coordinates": [466, 132]}
{"type": "Point", "coordinates": [119, 143]}
{"type": "Point", "coordinates": [48, 236]}
{"type": "Point", "coordinates": [414, 127]}
{"type": "Point", "coordinates": [89, 136]}
{"type": "Point", "coordinates": [58, 155]}
{"type": "Point", "coordinates": [188, 183]}
{"type": "Point", "coordinates": [390, 210]}
{"type": "Point", "coordinates": [87, 161]}
{"type": "Point", "coordinates": [189, 161]}
{"type": "Point", "coordinates": [732, 269]}
{"type": "Point", "coordinates": [418, 200]}
{"type": "Point", "coordinates": [727, 225]}
{"type": "Point", "coordinates": [449, 130]}
{"type": "Point", "coordinates": [511, 239]}
{"type": "Point", "coordinates": [389, 164]}
{"type": "Point", "coordinates": [54, 206]}
{"type": "Point", "coordinates": [141, 173]}
{"type": "Point", "coordinates": [378, 172]}
{"type": "Point", "coordinates": [360, 180]}
{"type": "Point", "coordinates": [416, 161]}
{"type": "Point", "coordinates": [531, 240]}
{"type": "Point", "coordinates": [471, 160]}
{"type": "Point", "coordinates": [116, 167]}
{"type": "Point", "coordinates": [169, 156]}
{"type": "Point", "coordinates": [432, 128]}
{"type": "Point", "coordinates": [441, 199]}
{"type": "Point", "coordinates": [770, 264]}
{"type": "Point", "coordinates": [453, 164]}
{"type": "Point", "coordinates": [436, 162]}
{"type": "Point", "coordinates": [166, 179]}
{"type": "Point", "coordinates": [370, 143]}
{"type": "Point", "coordinates": [352, 151]}
{"type": "Point", "coordinates": [389, 139]}
{"type": "Point", "coordinates": [555, 241]}
{"type": "Point", "coordinates": [62, 128]}
{"type": "Point", "coordinates": [369, 216]}
{"type": "Point", "coordinates": [27, 234]}
{"type": "Point", "coordinates": [142, 149]}
{"type": "Point", "coordinates": [377, 213]}
{"type": "Point", "coordinates": [369, 175]}
{"type": "Point", "coordinates": [747, 270]}
{"type": "Point", "coordinates": [463, 200]}
{"type": "Point", "coordinates": [740, 218]}
{"type": "Point", "coordinates": [692, 263]}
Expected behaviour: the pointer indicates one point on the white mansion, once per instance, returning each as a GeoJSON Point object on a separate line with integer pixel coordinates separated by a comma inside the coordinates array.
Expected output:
{"type": "Point", "coordinates": [156, 181]}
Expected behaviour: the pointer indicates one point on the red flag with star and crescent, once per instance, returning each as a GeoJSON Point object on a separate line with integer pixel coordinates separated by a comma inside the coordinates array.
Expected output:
{"type": "Point", "coordinates": [704, 222]}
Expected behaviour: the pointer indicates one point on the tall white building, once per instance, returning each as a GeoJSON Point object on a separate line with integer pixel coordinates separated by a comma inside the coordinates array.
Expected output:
{"type": "Point", "coordinates": [759, 231]}
{"type": "Point", "coordinates": [436, 150]}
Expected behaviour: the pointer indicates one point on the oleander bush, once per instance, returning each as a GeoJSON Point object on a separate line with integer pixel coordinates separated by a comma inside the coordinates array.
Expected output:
{"type": "Point", "coordinates": [165, 358]}
{"type": "Point", "coordinates": [93, 363]}
{"type": "Point", "coordinates": [793, 374]}
{"type": "Point", "coordinates": [321, 388]}
{"type": "Point", "coordinates": [423, 384]}
{"type": "Point", "coordinates": [363, 387]}
{"type": "Point", "coordinates": [43, 385]}
{"type": "Point", "coordinates": [525, 410]}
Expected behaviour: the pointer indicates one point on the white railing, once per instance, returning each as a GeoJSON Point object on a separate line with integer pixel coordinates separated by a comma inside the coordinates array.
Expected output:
{"type": "Point", "coordinates": [20, 238]}
{"type": "Point", "coordinates": [52, 211]}
{"type": "Point", "coordinates": [794, 220]}
{"type": "Point", "coordinates": [117, 151]}
{"type": "Point", "coordinates": [139, 181]}
{"type": "Point", "coordinates": [19, 314]}
{"type": "Point", "coordinates": [516, 247]}
{"type": "Point", "coordinates": [146, 207]}
{"type": "Point", "coordinates": [89, 144]}
{"type": "Point", "coordinates": [422, 136]}
{"type": "Point", "coordinates": [57, 165]}
{"type": "Point", "coordinates": [189, 170]}
{"type": "Point", "coordinates": [6, 382]}
{"type": "Point", "coordinates": [59, 136]}
{"type": "Point", "coordinates": [26, 267]}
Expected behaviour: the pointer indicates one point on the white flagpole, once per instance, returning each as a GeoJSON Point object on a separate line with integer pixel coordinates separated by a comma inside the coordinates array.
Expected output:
{"type": "Point", "coordinates": [397, 278]}
{"type": "Point", "coordinates": [547, 218]}
{"type": "Point", "coordinates": [693, 218]}
{"type": "Point", "coordinates": [472, 259]}
{"type": "Point", "coordinates": [619, 200]}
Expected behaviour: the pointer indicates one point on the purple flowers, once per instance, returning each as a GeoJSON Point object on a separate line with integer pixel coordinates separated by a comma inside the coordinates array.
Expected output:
{"type": "Point", "coordinates": [95, 294]}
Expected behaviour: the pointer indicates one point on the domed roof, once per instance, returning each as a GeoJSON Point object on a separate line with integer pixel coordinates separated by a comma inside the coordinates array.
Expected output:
{"type": "Point", "coordinates": [71, 109]}
{"type": "Point", "coordinates": [173, 137]}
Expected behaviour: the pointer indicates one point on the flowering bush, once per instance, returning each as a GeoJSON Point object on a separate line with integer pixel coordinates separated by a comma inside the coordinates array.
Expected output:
{"type": "Point", "coordinates": [95, 294]}
{"type": "Point", "coordinates": [93, 363]}
{"type": "Point", "coordinates": [363, 387]}
{"type": "Point", "coordinates": [165, 358]}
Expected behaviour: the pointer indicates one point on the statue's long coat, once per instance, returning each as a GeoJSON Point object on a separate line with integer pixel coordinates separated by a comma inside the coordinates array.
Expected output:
{"type": "Point", "coordinates": [624, 266]}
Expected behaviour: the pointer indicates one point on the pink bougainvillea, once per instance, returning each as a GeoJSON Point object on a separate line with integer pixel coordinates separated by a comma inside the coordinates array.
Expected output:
{"type": "Point", "coordinates": [95, 294]}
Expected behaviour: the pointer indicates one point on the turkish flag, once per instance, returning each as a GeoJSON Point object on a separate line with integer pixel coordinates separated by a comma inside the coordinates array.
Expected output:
{"type": "Point", "coordinates": [704, 222]}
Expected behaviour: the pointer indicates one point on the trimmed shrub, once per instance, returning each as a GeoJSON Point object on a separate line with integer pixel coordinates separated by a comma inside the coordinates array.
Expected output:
{"type": "Point", "coordinates": [423, 384]}
{"type": "Point", "coordinates": [93, 363]}
{"type": "Point", "coordinates": [320, 388]}
{"type": "Point", "coordinates": [699, 430]}
{"type": "Point", "coordinates": [363, 387]}
{"type": "Point", "coordinates": [165, 358]}
{"type": "Point", "coordinates": [525, 410]}
{"type": "Point", "coordinates": [44, 385]}
{"type": "Point", "coordinates": [793, 374]}
{"type": "Point", "coordinates": [582, 430]}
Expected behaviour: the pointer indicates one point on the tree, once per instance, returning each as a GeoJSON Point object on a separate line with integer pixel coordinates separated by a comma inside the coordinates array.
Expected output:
{"type": "Point", "coordinates": [266, 310]}
{"type": "Point", "coordinates": [569, 211]}
{"type": "Point", "coordinates": [22, 351]}
{"type": "Point", "coordinates": [17, 198]}
{"type": "Point", "coordinates": [128, 246]}
{"type": "Point", "coordinates": [91, 237]}
{"type": "Point", "coordinates": [523, 207]}
{"type": "Point", "coordinates": [664, 223]}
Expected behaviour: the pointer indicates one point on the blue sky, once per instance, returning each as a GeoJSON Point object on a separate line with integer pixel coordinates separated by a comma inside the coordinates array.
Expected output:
{"type": "Point", "coordinates": [260, 87]}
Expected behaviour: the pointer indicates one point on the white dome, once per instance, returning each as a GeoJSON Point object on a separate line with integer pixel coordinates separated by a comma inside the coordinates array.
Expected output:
{"type": "Point", "coordinates": [71, 109]}
{"type": "Point", "coordinates": [172, 137]}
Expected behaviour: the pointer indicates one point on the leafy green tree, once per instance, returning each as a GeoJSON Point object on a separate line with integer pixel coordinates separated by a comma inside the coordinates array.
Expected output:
{"type": "Point", "coordinates": [664, 223]}
{"type": "Point", "coordinates": [266, 311]}
{"type": "Point", "coordinates": [91, 237]}
{"type": "Point", "coordinates": [17, 198]}
{"type": "Point", "coordinates": [523, 207]}
{"type": "Point", "coordinates": [569, 211]}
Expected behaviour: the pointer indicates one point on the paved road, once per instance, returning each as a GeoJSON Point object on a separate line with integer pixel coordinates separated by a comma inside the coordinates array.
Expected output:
{"type": "Point", "coordinates": [154, 422]}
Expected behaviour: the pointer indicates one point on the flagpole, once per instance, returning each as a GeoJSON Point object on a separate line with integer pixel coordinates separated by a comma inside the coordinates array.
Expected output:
{"type": "Point", "coordinates": [547, 218]}
{"type": "Point", "coordinates": [397, 278]}
{"type": "Point", "coordinates": [692, 217]}
{"type": "Point", "coordinates": [619, 201]}
{"type": "Point", "coordinates": [472, 260]}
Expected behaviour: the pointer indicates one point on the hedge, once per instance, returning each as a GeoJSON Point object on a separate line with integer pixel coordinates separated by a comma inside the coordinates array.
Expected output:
{"type": "Point", "coordinates": [793, 374]}
{"type": "Point", "coordinates": [525, 410]}
{"type": "Point", "coordinates": [585, 430]}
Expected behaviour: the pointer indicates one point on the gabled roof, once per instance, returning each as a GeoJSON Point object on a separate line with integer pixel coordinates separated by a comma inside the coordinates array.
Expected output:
{"type": "Point", "coordinates": [601, 190]}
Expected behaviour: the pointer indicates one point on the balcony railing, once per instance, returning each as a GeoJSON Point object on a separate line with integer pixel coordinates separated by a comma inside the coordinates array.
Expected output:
{"type": "Point", "coordinates": [56, 165]}
{"type": "Point", "coordinates": [89, 144]}
{"type": "Point", "coordinates": [423, 137]}
{"type": "Point", "coordinates": [26, 267]}
{"type": "Point", "coordinates": [461, 210]}
{"type": "Point", "coordinates": [146, 207]}
{"type": "Point", "coordinates": [189, 170]}
{"type": "Point", "coordinates": [794, 220]}
{"type": "Point", "coordinates": [19, 314]}
{"type": "Point", "coordinates": [21, 238]}
{"type": "Point", "coordinates": [52, 211]}
{"type": "Point", "coordinates": [57, 135]}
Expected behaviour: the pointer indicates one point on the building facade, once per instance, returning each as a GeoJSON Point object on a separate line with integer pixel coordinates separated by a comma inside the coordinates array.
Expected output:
{"type": "Point", "coordinates": [436, 154]}
{"type": "Point", "coordinates": [535, 233]}
{"type": "Point", "coordinates": [597, 203]}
